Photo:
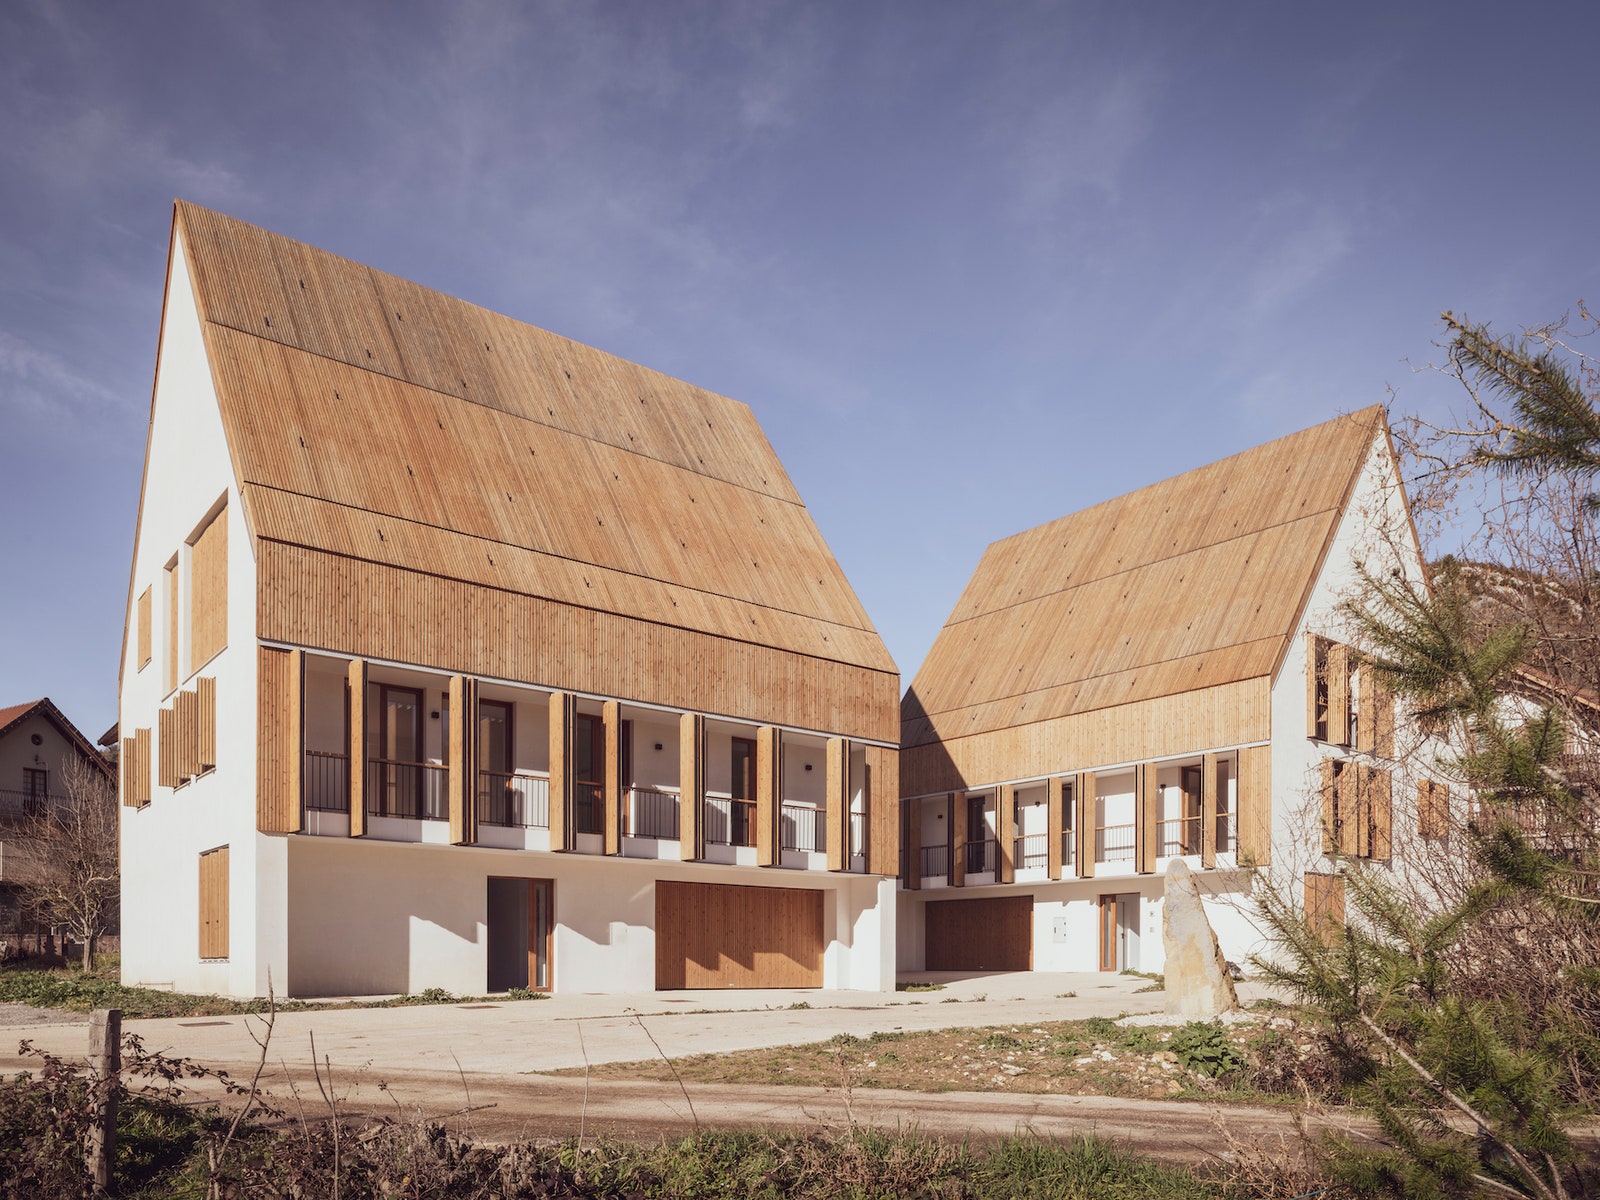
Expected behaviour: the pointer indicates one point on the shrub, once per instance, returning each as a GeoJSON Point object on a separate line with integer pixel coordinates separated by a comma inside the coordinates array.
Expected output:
{"type": "Point", "coordinates": [1102, 1029]}
{"type": "Point", "coordinates": [1204, 1048]}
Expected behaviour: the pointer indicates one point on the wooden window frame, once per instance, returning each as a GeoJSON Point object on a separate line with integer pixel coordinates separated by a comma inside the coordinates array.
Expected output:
{"type": "Point", "coordinates": [533, 921]}
{"type": "Point", "coordinates": [510, 710]}
{"type": "Point", "coordinates": [742, 788]}
{"type": "Point", "coordinates": [385, 751]}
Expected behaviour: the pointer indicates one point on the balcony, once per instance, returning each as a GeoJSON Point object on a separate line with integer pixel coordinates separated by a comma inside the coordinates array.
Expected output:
{"type": "Point", "coordinates": [513, 801]}
{"type": "Point", "coordinates": [16, 803]}
{"type": "Point", "coordinates": [326, 782]}
{"type": "Point", "coordinates": [414, 791]}
{"type": "Point", "coordinates": [858, 836]}
{"type": "Point", "coordinates": [1178, 836]}
{"type": "Point", "coordinates": [1114, 843]}
{"type": "Point", "coordinates": [1031, 852]}
{"type": "Point", "coordinates": [982, 856]}
{"type": "Point", "coordinates": [934, 861]}
{"type": "Point", "coordinates": [652, 813]}
{"type": "Point", "coordinates": [588, 807]}
{"type": "Point", "coordinates": [730, 822]}
{"type": "Point", "coordinates": [804, 828]}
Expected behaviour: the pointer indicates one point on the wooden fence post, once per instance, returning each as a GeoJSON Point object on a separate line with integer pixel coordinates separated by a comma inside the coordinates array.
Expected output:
{"type": "Point", "coordinates": [105, 1068]}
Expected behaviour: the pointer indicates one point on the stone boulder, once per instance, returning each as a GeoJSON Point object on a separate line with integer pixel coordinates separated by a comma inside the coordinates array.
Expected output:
{"type": "Point", "coordinates": [1198, 984]}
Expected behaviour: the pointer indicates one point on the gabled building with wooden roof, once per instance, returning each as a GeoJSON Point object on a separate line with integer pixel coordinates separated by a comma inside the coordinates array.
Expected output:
{"type": "Point", "coordinates": [462, 655]}
{"type": "Point", "coordinates": [1166, 674]}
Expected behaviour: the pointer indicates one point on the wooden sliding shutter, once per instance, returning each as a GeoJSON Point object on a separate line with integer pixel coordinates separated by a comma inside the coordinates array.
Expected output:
{"type": "Point", "coordinates": [187, 706]}
{"type": "Point", "coordinates": [1255, 806]}
{"type": "Point", "coordinates": [769, 796]}
{"type": "Point", "coordinates": [463, 767]}
{"type": "Point", "coordinates": [691, 787]}
{"type": "Point", "coordinates": [142, 655]}
{"type": "Point", "coordinates": [280, 676]}
{"type": "Point", "coordinates": [837, 821]}
{"type": "Point", "coordinates": [563, 769]}
{"type": "Point", "coordinates": [911, 825]}
{"type": "Point", "coordinates": [171, 581]}
{"type": "Point", "coordinates": [206, 731]}
{"type": "Point", "coordinates": [1383, 721]}
{"type": "Point", "coordinates": [136, 769]}
{"type": "Point", "coordinates": [1088, 821]}
{"type": "Point", "coordinates": [208, 591]}
{"type": "Point", "coordinates": [356, 730]}
{"type": "Point", "coordinates": [1005, 825]}
{"type": "Point", "coordinates": [611, 782]}
{"type": "Point", "coordinates": [1316, 686]}
{"type": "Point", "coordinates": [1378, 801]}
{"type": "Point", "coordinates": [1324, 903]}
{"type": "Point", "coordinates": [883, 810]}
{"type": "Point", "coordinates": [1329, 791]}
{"type": "Point", "coordinates": [1433, 808]}
{"type": "Point", "coordinates": [955, 819]}
{"type": "Point", "coordinates": [1211, 782]}
{"type": "Point", "coordinates": [1055, 825]}
{"type": "Point", "coordinates": [1147, 817]}
{"type": "Point", "coordinates": [1339, 694]}
{"type": "Point", "coordinates": [214, 903]}
{"type": "Point", "coordinates": [167, 747]}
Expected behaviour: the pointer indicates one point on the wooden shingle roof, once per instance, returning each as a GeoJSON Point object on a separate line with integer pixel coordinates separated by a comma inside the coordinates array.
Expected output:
{"type": "Point", "coordinates": [1189, 583]}
{"type": "Point", "coordinates": [373, 419]}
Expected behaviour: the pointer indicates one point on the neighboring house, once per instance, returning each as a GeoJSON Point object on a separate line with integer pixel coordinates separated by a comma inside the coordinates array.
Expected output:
{"type": "Point", "coordinates": [461, 655]}
{"type": "Point", "coordinates": [37, 743]}
{"type": "Point", "coordinates": [1130, 684]}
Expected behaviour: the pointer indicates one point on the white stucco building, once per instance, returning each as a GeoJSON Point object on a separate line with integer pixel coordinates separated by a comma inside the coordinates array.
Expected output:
{"type": "Point", "coordinates": [461, 655]}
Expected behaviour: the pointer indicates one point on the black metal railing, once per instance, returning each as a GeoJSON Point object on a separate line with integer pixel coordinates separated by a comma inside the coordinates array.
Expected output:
{"type": "Point", "coordinates": [935, 861]}
{"type": "Point", "coordinates": [652, 813]}
{"type": "Point", "coordinates": [19, 802]}
{"type": "Point", "coordinates": [327, 781]}
{"type": "Point", "coordinates": [981, 856]}
{"type": "Point", "coordinates": [588, 807]}
{"type": "Point", "coordinates": [858, 836]}
{"type": "Point", "coordinates": [521, 801]}
{"type": "Point", "coordinates": [730, 822]}
{"type": "Point", "coordinates": [418, 791]}
{"type": "Point", "coordinates": [1224, 827]}
{"type": "Point", "coordinates": [1030, 851]}
{"type": "Point", "coordinates": [1069, 848]}
{"type": "Point", "coordinates": [1179, 835]}
{"type": "Point", "coordinates": [1113, 843]}
{"type": "Point", "coordinates": [803, 827]}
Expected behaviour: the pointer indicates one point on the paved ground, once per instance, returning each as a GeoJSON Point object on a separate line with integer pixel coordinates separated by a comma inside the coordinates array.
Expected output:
{"type": "Point", "coordinates": [438, 1059]}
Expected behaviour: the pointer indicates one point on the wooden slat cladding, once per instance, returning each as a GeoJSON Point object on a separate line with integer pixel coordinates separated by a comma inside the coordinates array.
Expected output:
{"type": "Point", "coordinates": [1228, 715]}
{"type": "Point", "coordinates": [296, 295]}
{"type": "Point", "coordinates": [691, 787]}
{"type": "Point", "coordinates": [214, 903]}
{"type": "Point", "coordinates": [408, 617]}
{"type": "Point", "coordinates": [463, 770]}
{"type": "Point", "coordinates": [1375, 723]}
{"type": "Point", "coordinates": [836, 784]}
{"type": "Point", "coordinates": [883, 825]}
{"type": "Point", "coordinates": [356, 698]}
{"type": "Point", "coordinates": [563, 770]}
{"type": "Point", "coordinates": [206, 731]}
{"type": "Point", "coordinates": [955, 820]}
{"type": "Point", "coordinates": [1339, 694]}
{"type": "Point", "coordinates": [979, 934]}
{"type": "Point", "coordinates": [186, 707]}
{"type": "Point", "coordinates": [280, 741]}
{"type": "Point", "coordinates": [1433, 808]}
{"type": "Point", "coordinates": [1324, 903]}
{"type": "Point", "coordinates": [910, 826]}
{"type": "Point", "coordinates": [1117, 603]}
{"type": "Point", "coordinates": [1316, 686]}
{"type": "Point", "coordinates": [143, 644]}
{"type": "Point", "coordinates": [725, 936]}
{"type": "Point", "coordinates": [1255, 806]}
{"type": "Point", "coordinates": [1213, 784]}
{"type": "Point", "coordinates": [769, 796]}
{"type": "Point", "coordinates": [208, 591]}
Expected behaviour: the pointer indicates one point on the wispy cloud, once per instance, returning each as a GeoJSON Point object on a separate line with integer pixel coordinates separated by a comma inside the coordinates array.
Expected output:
{"type": "Point", "coordinates": [38, 384]}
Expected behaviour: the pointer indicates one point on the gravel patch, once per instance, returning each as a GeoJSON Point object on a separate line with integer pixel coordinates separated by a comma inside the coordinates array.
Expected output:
{"type": "Point", "coordinates": [20, 1016]}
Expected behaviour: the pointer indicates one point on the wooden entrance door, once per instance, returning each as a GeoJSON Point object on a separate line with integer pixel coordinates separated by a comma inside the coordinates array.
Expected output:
{"type": "Point", "coordinates": [521, 934]}
{"type": "Point", "coordinates": [1119, 932]}
{"type": "Point", "coordinates": [979, 935]}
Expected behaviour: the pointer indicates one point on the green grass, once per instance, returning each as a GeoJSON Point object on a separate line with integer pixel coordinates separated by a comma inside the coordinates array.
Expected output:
{"type": "Point", "coordinates": [919, 987]}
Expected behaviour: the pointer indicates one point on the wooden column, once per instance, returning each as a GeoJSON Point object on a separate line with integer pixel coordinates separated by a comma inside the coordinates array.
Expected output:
{"type": "Point", "coordinates": [563, 769]}
{"type": "Point", "coordinates": [837, 820]}
{"type": "Point", "coordinates": [1005, 833]}
{"type": "Point", "coordinates": [1210, 794]}
{"type": "Point", "coordinates": [691, 786]}
{"type": "Point", "coordinates": [1056, 823]}
{"type": "Point", "coordinates": [1087, 820]}
{"type": "Point", "coordinates": [356, 746]}
{"type": "Point", "coordinates": [611, 785]}
{"type": "Point", "coordinates": [1255, 806]}
{"type": "Point", "coordinates": [463, 768]}
{"type": "Point", "coordinates": [883, 810]}
{"type": "Point", "coordinates": [955, 820]}
{"type": "Point", "coordinates": [1146, 818]}
{"type": "Point", "coordinates": [769, 796]}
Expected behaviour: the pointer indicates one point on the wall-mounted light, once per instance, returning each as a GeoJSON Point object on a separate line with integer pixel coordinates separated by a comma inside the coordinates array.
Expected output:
{"type": "Point", "coordinates": [658, 745]}
{"type": "Point", "coordinates": [434, 714]}
{"type": "Point", "coordinates": [808, 766]}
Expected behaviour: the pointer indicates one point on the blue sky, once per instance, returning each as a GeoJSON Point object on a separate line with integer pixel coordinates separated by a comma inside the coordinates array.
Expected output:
{"type": "Point", "coordinates": [974, 266]}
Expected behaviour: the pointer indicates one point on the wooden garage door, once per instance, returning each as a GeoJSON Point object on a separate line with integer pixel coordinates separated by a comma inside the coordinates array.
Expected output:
{"type": "Point", "coordinates": [980, 935]}
{"type": "Point", "coordinates": [714, 935]}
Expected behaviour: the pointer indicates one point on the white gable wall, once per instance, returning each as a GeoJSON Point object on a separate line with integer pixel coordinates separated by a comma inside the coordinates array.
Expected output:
{"type": "Point", "coordinates": [187, 470]}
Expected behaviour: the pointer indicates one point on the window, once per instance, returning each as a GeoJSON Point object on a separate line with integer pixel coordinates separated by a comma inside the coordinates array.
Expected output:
{"type": "Point", "coordinates": [208, 590]}
{"type": "Point", "coordinates": [142, 656]}
{"type": "Point", "coordinates": [743, 786]}
{"type": "Point", "coordinates": [35, 788]}
{"type": "Point", "coordinates": [494, 737]}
